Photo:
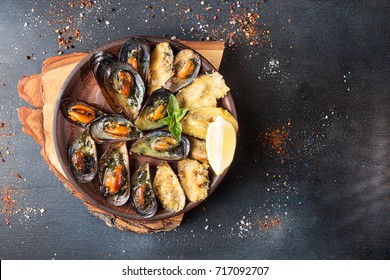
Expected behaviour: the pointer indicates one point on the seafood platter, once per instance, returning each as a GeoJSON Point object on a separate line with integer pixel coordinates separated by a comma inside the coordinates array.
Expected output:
{"type": "Point", "coordinates": [130, 127]}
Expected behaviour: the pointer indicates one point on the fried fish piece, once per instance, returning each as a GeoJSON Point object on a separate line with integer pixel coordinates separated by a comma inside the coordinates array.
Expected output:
{"type": "Point", "coordinates": [168, 189]}
{"type": "Point", "coordinates": [197, 121]}
{"type": "Point", "coordinates": [161, 65]}
{"type": "Point", "coordinates": [194, 178]}
{"type": "Point", "coordinates": [203, 92]}
{"type": "Point", "coordinates": [198, 150]}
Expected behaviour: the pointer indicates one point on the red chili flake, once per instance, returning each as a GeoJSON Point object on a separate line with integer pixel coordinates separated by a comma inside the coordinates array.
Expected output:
{"type": "Point", "coordinates": [9, 203]}
{"type": "Point", "coordinates": [7, 220]}
{"type": "Point", "coordinates": [214, 17]}
{"type": "Point", "coordinates": [183, 19]}
{"type": "Point", "coordinates": [76, 33]}
{"type": "Point", "coordinates": [277, 138]}
{"type": "Point", "coordinates": [270, 223]}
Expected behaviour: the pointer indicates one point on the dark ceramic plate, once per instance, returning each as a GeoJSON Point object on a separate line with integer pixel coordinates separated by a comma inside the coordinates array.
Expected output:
{"type": "Point", "coordinates": [82, 85]}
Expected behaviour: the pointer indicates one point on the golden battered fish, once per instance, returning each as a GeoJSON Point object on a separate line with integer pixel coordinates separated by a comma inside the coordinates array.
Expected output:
{"type": "Point", "coordinates": [198, 150]}
{"type": "Point", "coordinates": [194, 178]}
{"type": "Point", "coordinates": [160, 68]}
{"type": "Point", "coordinates": [167, 188]}
{"type": "Point", "coordinates": [203, 92]}
{"type": "Point", "coordinates": [197, 121]}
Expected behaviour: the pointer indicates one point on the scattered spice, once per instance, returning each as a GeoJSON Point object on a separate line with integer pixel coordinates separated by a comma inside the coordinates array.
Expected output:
{"type": "Point", "coordinates": [9, 202]}
{"type": "Point", "coordinates": [244, 22]}
{"type": "Point", "coordinates": [270, 223]}
{"type": "Point", "coordinates": [277, 138]}
{"type": "Point", "coordinates": [67, 18]}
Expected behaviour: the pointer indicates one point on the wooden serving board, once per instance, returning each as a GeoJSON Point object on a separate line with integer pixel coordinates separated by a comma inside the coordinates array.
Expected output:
{"type": "Point", "coordinates": [41, 92]}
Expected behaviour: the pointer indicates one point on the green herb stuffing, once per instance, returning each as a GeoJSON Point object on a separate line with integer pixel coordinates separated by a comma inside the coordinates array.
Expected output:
{"type": "Point", "coordinates": [175, 115]}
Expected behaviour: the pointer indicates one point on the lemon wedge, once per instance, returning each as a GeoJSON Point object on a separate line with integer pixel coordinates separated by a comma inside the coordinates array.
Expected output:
{"type": "Point", "coordinates": [220, 144]}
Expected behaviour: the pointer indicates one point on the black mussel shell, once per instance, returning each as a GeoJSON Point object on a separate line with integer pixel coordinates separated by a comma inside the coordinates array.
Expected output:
{"type": "Point", "coordinates": [136, 52]}
{"type": "Point", "coordinates": [82, 157]}
{"type": "Point", "coordinates": [154, 110]}
{"type": "Point", "coordinates": [113, 128]}
{"type": "Point", "coordinates": [161, 145]}
{"type": "Point", "coordinates": [114, 174]}
{"type": "Point", "coordinates": [78, 112]}
{"type": "Point", "coordinates": [141, 192]}
{"type": "Point", "coordinates": [98, 64]}
{"type": "Point", "coordinates": [186, 68]}
{"type": "Point", "coordinates": [125, 87]}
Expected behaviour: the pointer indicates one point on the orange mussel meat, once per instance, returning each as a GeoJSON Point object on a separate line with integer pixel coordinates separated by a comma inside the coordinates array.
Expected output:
{"type": "Point", "coordinates": [187, 70]}
{"type": "Point", "coordinates": [113, 178]}
{"type": "Point", "coordinates": [164, 144]}
{"type": "Point", "coordinates": [139, 196]}
{"type": "Point", "coordinates": [81, 113]}
{"type": "Point", "coordinates": [157, 114]}
{"type": "Point", "coordinates": [125, 84]}
{"type": "Point", "coordinates": [78, 160]}
{"type": "Point", "coordinates": [117, 130]}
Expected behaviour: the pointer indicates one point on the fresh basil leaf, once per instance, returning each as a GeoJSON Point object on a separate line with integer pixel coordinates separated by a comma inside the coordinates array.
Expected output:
{"type": "Point", "coordinates": [180, 114]}
{"type": "Point", "coordinates": [172, 121]}
{"type": "Point", "coordinates": [175, 115]}
{"type": "Point", "coordinates": [176, 130]}
{"type": "Point", "coordinates": [173, 105]}
{"type": "Point", "coordinates": [165, 121]}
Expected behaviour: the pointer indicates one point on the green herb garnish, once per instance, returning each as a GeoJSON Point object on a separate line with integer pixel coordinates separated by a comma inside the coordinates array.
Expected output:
{"type": "Point", "coordinates": [175, 115]}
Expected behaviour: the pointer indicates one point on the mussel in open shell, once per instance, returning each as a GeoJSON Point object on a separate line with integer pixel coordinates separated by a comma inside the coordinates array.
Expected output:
{"type": "Point", "coordinates": [141, 192]}
{"type": "Point", "coordinates": [78, 112]}
{"type": "Point", "coordinates": [114, 174]}
{"type": "Point", "coordinates": [186, 67]}
{"type": "Point", "coordinates": [136, 52]}
{"type": "Point", "coordinates": [82, 158]}
{"type": "Point", "coordinates": [113, 128]}
{"type": "Point", "coordinates": [126, 87]}
{"type": "Point", "coordinates": [154, 110]}
{"type": "Point", "coordinates": [161, 145]}
{"type": "Point", "coordinates": [161, 65]}
{"type": "Point", "coordinates": [98, 64]}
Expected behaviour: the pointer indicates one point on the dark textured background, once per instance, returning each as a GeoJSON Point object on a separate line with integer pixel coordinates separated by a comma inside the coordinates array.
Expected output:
{"type": "Point", "coordinates": [324, 82]}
